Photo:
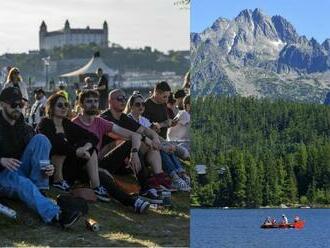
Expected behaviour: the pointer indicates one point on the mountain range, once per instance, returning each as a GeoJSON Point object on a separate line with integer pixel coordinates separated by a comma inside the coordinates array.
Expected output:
{"type": "Point", "coordinates": [259, 55]}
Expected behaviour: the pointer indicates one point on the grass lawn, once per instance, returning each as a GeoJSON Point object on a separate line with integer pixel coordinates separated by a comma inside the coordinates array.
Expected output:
{"type": "Point", "coordinates": [120, 226]}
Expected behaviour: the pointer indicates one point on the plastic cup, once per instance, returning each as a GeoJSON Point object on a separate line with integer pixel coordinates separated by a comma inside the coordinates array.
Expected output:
{"type": "Point", "coordinates": [43, 164]}
{"type": "Point", "coordinates": [166, 196]}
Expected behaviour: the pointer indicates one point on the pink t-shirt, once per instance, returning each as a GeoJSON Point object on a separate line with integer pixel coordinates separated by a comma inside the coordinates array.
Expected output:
{"type": "Point", "coordinates": [99, 127]}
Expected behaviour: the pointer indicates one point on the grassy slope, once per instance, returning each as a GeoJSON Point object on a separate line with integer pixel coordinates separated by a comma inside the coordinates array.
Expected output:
{"type": "Point", "coordinates": [120, 226]}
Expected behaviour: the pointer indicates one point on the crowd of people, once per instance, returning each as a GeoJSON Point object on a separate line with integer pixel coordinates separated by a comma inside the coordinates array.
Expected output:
{"type": "Point", "coordinates": [88, 141]}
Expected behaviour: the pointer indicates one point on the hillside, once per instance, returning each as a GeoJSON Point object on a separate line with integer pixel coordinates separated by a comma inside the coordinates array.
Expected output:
{"type": "Point", "coordinates": [116, 57]}
{"type": "Point", "coordinates": [260, 152]}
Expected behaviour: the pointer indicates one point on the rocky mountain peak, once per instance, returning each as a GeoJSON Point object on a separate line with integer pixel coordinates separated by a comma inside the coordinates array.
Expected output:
{"type": "Point", "coordinates": [285, 30]}
{"type": "Point", "coordinates": [244, 15]}
{"type": "Point", "coordinates": [313, 42]}
{"type": "Point", "coordinates": [195, 39]}
{"type": "Point", "coordinates": [257, 13]}
{"type": "Point", "coordinates": [326, 44]}
{"type": "Point", "coordinates": [219, 23]}
{"type": "Point", "coordinates": [257, 54]}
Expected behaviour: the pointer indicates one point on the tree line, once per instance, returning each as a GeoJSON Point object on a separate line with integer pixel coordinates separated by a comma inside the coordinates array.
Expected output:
{"type": "Point", "coordinates": [144, 59]}
{"type": "Point", "coordinates": [260, 152]}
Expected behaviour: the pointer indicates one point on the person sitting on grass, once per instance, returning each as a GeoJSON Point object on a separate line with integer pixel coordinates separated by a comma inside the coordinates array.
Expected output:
{"type": "Point", "coordinates": [180, 132]}
{"type": "Point", "coordinates": [151, 143]}
{"type": "Point", "coordinates": [170, 163]}
{"type": "Point", "coordinates": [156, 109]}
{"type": "Point", "coordinates": [88, 102]}
{"type": "Point", "coordinates": [21, 151]}
{"type": "Point", "coordinates": [73, 148]}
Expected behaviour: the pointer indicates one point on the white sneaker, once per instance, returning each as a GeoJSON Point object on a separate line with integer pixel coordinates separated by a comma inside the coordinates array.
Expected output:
{"type": "Point", "coordinates": [140, 206]}
{"type": "Point", "coordinates": [186, 179]}
{"type": "Point", "coordinates": [180, 184]}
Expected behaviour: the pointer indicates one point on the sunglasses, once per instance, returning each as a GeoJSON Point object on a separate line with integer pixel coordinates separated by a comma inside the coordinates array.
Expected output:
{"type": "Point", "coordinates": [139, 104]}
{"type": "Point", "coordinates": [121, 99]}
{"type": "Point", "coordinates": [90, 101]}
{"type": "Point", "coordinates": [16, 104]}
{"type": "Point", "coordinates": [62, 105]}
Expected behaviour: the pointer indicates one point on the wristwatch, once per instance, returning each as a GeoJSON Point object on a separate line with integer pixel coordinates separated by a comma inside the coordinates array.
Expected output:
{"type": "Point", "coordinates": [134, 150]}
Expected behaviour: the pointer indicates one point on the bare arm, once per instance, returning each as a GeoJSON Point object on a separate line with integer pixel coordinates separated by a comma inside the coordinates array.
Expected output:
{"type": "Point", "coordinates": [166, 123]}
{"type": "Point", "coordinates": [101, 87]}
{"type": "Point", "coordinates": [150, 134]}
{"type": "Point", "coordinates": [128, 135]}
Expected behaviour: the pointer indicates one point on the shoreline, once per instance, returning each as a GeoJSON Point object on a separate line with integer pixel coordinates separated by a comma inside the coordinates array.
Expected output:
{"type": "Point", "coordinates": [262, 207]}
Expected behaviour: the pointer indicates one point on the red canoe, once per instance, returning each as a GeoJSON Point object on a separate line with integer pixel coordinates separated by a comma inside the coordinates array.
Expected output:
{"type": "Point", "coordinates": [298, 224]}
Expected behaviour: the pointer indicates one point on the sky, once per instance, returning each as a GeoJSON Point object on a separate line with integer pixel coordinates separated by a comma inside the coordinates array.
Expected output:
{"type": "Point", "coordinates": [132, 23]}
{"type": "Point", "coordinates": [309, 17]}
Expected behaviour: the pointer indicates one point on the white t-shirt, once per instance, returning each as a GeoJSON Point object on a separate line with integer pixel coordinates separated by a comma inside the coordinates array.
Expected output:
{"type": "Point", "coordinates": [37, 111]}
{"type": "Point", "coordinates": [180, 132]}
{"type": "Point", "coordinates": [142, 121]}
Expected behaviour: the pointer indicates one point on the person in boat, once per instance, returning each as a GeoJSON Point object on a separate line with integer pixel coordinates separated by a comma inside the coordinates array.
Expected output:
{"type": "Point", "coordinates": [273, 220]}
{"type": "Point", "coordinates": [284, 219]}
{"type": "Point", "coordinates": [296, 218]}
{"type": "Point", "coordinates": [268, 221]}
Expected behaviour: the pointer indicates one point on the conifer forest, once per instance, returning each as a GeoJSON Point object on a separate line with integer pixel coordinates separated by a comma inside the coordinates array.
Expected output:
{"type": "Point", "coordinates": [260, 152]}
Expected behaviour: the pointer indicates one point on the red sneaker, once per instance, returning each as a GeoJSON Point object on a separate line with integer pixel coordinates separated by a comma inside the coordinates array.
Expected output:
{"type": "Point", "coordinates": [153, 182]}
{"type": "Point", "coordinates": [164, 182]}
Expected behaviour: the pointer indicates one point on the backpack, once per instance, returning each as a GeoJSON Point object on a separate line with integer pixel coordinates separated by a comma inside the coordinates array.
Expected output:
{"type": "Point", "coordinates": [68, 202]}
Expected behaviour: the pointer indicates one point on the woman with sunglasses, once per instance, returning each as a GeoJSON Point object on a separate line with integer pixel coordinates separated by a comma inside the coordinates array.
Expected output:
{"type": "Point", "coordinates": [73, 148]}
{"type": "Point", "coordinates": [171, 165]}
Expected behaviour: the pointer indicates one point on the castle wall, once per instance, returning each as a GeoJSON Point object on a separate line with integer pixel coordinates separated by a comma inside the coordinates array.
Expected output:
{"type": "Point", "coordinates": [60, 38]}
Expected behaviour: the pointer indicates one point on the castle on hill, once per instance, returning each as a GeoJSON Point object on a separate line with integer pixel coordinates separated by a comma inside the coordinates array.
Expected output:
{"type": "Point", "coordinates": [72, 36]}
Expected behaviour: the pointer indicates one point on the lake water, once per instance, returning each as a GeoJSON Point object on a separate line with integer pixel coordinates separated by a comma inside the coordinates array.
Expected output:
{"type": "Point", "coordinates": [241, 228]}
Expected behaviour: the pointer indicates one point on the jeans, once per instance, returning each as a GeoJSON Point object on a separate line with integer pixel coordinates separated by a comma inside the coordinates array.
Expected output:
{"type": "Point", "coordinates": [26, 182]}
{"type": "Point", "coordinates": [170, 163]}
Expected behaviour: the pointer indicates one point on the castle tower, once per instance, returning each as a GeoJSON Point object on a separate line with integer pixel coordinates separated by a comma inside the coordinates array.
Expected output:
{"type": "Point", "coordinates": [105, 32]}
{"type": "Point", "coordinates": [42, 35]}
{"type": "Point", "coordinates": [67, 26]}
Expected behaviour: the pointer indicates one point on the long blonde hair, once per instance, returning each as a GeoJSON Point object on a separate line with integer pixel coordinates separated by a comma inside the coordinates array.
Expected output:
{"type": "Point", "coordinates": [10, 76]}
{"type": "Point", "coordinates": [131, 101]}
{"type": "Point", "coordinates": [186, 83]}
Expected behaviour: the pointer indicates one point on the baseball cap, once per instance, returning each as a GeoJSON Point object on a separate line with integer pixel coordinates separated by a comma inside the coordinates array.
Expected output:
{"type": "Point", "coordinates": [11, 94]}
{"type": "Point", "coordinates": [39, 90]}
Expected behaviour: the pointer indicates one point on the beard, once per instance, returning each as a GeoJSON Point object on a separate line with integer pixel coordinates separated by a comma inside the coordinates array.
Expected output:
{"type": "Point", "coordinates": [91, 111]}
{"type": "Point", "coordinates": [13, 115]}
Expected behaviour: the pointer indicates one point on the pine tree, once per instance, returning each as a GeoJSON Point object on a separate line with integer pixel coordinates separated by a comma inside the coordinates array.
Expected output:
{"type": "Point", "coordinates": [239, 178]}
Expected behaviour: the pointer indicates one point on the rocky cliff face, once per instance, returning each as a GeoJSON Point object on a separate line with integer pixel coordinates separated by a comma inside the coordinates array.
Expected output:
{"type": "Point", "coordinates": [255, 54]}
{"type": "Point", "coordinates": [327, 99]}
